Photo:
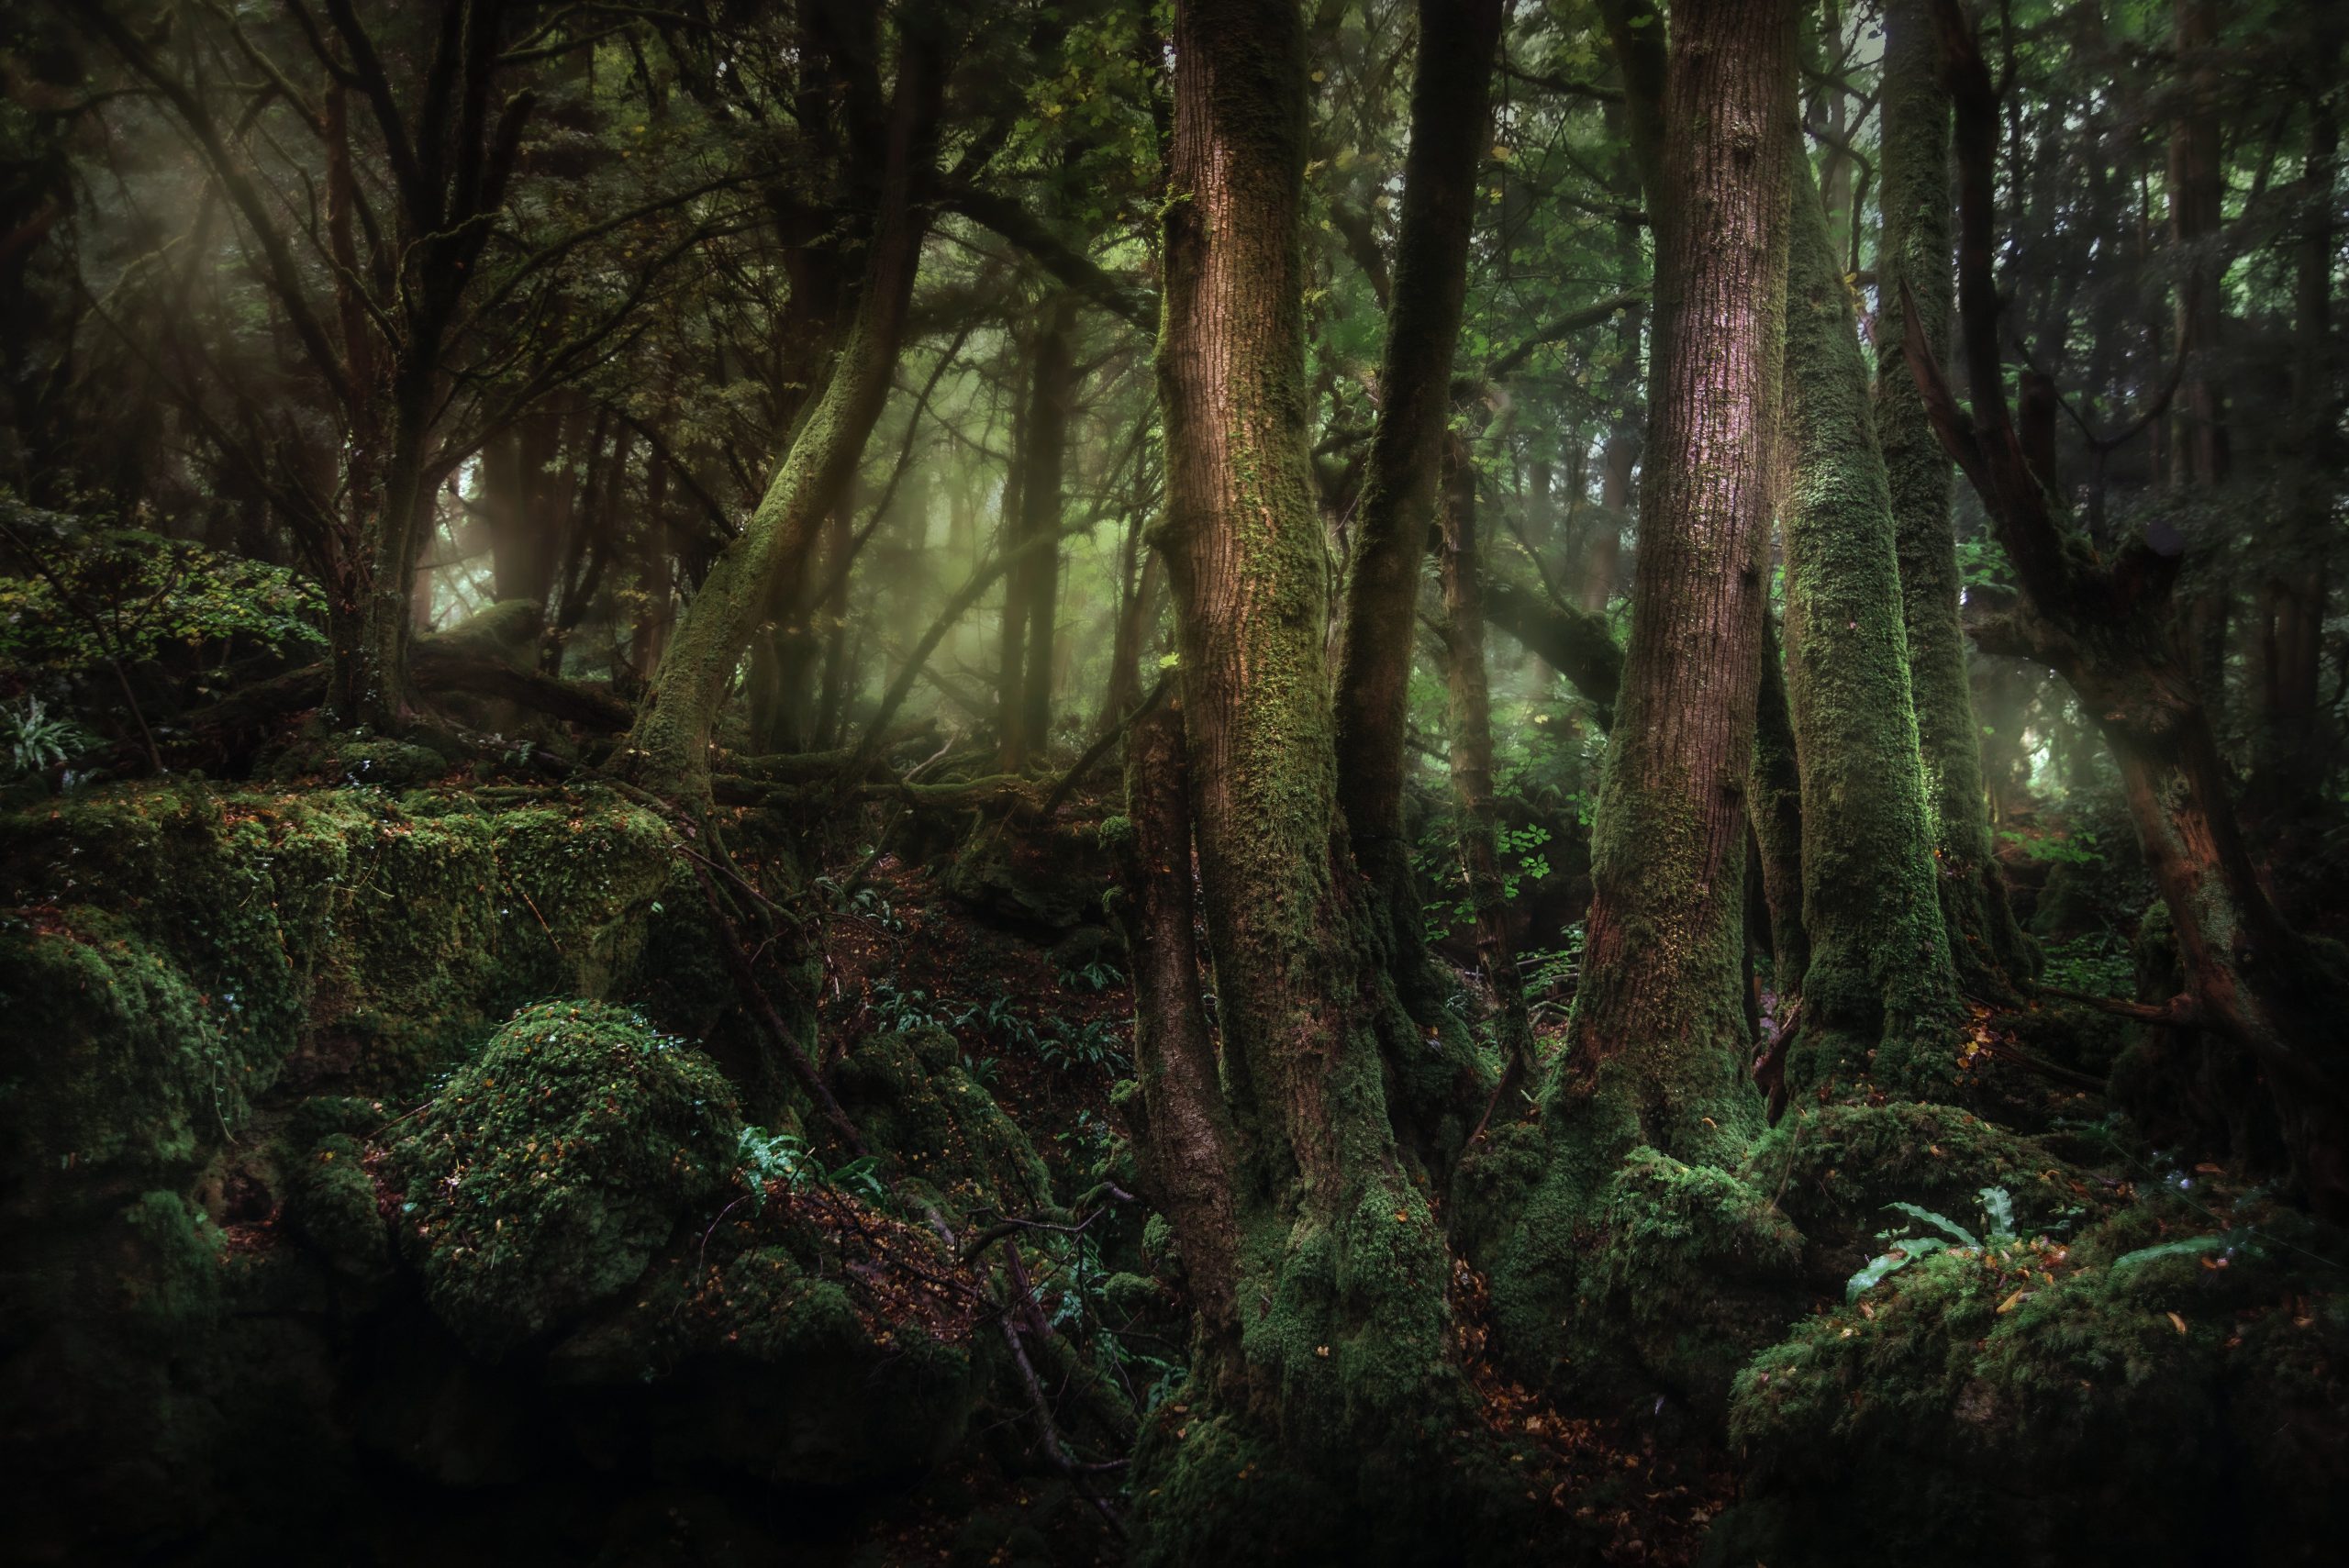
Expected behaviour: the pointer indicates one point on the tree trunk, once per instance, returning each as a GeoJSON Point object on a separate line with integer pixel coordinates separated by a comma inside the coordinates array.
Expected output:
{"type": "Point", "coordinates": [1342, 1267]}
{"type": "Point", "coordinates": [1471, 760]}
{"type": "Point", "coordinates": [1879, 989]}
{"type": "Point", "coordinates": [1032, 590]}
{"type": "Point", "coordinates": [1450, 94]}
{"type": "Point", "coordinates": [1987, 949]}
{"type": "Point", "coordinates": [2107, 629]}
{"type": "Point", "coordinates": [1777, 817]}
{"type": "Point", "coordinates": [669, 749]}
{"type": "Point", "coordinates": [1660, 1021]}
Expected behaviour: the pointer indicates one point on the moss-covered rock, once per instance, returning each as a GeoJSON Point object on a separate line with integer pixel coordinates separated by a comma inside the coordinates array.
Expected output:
{"type": "Point", "coordinates": [333, 1205]}
{"type": "Point", "coordinates": [546, 1173]}
{"type": "Point", "coordinates": [1831, 1171]}
{"type": "Point", "coordinates": [2191, 1408]}
{"type": "Point", "coordinates": [1691, 1271]}
{"type": "Point", "coordinates": [911, 1096]}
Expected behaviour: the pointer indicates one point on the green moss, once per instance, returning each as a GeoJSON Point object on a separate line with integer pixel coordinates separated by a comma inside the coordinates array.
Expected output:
{"type": "Point", "coordinates": [912, 1100]}
{"type": "Point", "coordinates": [332, 1204]}
{"type": "Point", "coordinates": [1833, 1169]}
{"type": "Point", "coordinates": [546, 1173]}
{"type": "Point", "coordinates": [2004, 1396]}
{"type": "Point", "coordinates": [1690, 1272]}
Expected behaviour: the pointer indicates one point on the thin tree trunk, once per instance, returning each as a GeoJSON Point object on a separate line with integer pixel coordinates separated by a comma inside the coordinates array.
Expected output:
{"type": "Point", "coordinates": [1990, 951]}
{"type": "Point", "coordinates": [1031, 597]}
{"type": "Point", "coordinates": [1778, 819]}
{"type": "Point", "coordinates": [1450, 93]}
{"type": "Point", "coordinates": [669, 749]}
{"type": "Point", "coordinates": [1471, 760]}
{"type": "Point", "coordinates": [1878, 988]}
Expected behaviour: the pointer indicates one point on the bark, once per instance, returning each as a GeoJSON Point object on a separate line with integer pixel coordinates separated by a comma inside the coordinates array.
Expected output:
{"type": "Point", "coordinates": [1187, 1140]}
{"type": "Point", "coordinates": [1660, 1020]}
{"type": "Point", "coordinates": [669, 749]}
{"type": "Point", "coordinates": [1471, 760]}
{"type": "Point", "coordinates": [2107, 629]}
{"type": "Point", "coordinates": [1777, 817]}
{"type": "Point", "coordinates": [1988, 949]}
{"type": "Point", "coordinates": [1344, 1337]}
{"type": "Point", "coordinates": [1450, 98]}
{"type": "Point", "coordinates": [1879, 986]}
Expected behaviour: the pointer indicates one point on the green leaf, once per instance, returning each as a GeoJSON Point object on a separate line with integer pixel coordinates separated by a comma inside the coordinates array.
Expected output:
{"type": "Point", "coordinates": [1942, 1223]}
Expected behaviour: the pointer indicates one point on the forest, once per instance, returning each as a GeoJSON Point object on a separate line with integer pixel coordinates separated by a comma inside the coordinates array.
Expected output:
{"type": "Point", "coordinates": [1048, 783]}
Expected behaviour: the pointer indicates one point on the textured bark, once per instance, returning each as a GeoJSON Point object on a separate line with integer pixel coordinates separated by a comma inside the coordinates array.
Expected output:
{"type": "Point", "coordinates": [1879, 986]}
{"type": "Point", "coordinates": [669, 749]}
{"type": "Point", "coordinates": [1187, 1140]}
{"type": "Point", "coordinates": [1471, 759]}
{"type": "Point", "coordinates": [1032, 591]}
{"type": "Point", "coordinates": [1450, 95]}
{"type": "Point", "coordinates": [1988, 949]}
{"type": "Point", "coordinates": [1343, 1337]}
{"type": "Point", "coordinates": [1660, 1019]}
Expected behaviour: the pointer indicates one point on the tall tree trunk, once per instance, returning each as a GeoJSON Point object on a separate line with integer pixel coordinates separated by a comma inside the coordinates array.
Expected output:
{"type": "Point", "coordinates": [1660, 1021]}
{"type": "Point", "coordinates": [1471, 760]}
{"type": "Point", "coordinates": [1343, 1266]}
{"type": "Point", "coordinates": [1776, 794]}
{"type": "Point", "coordinates": [1032, 590]}
{"type": "Point", "coordinates": [2107, 629]}
{"type": "Point", "coordinates": [1879, 987]}
{"type": "Point", "coordinates": [2199, 450]}
{"type": "Point", "coordinates": [1987, 948]}
{"type": "Point", "coordinates": [2291, 747]}
{"type": "Point", "coordinates": [1450, 93]}
{"type": "Point", "coordinates": [669, 748]}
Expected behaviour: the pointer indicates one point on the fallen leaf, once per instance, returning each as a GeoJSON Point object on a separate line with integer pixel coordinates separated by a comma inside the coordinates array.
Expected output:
{"type": "Point", "coordinates": [2177, 1322]}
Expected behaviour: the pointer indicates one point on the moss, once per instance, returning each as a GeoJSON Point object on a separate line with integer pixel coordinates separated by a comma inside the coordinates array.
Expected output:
{"type": "Point", "coordinates": [1831, 1170]}
{"type": "Point", "coordinates": [1690, 1272]}
{"type": "Point", "coordinates": [912, 1100]}
{"type": "Point", "coordinates": [2195, 1412]}
{"type": "Point", "coordinates": [546, 1173]}
{"type": "Point", "coordinates": [332, 1204]}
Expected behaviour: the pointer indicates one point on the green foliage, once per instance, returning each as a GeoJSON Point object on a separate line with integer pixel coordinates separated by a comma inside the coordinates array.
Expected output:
{"type": "Point", "coordinates": [38, 740]}
{"type": "Point", "coordinates": [784, 1159]}
{"type": "Point", "coordinates": [2071, 848]}
{"type": "Point", "coordinates": [89, 595]}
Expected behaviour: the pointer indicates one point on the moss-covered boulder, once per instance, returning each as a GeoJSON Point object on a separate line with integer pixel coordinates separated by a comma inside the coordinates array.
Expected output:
{"type": "Point", "coordinates": [2183, 1406]}
{"type": "Point", "coordinates": [333, 1206]}
{"type": "Point", "coordinates": [546, 1173]}
{"type": "Point", "coordinates": [1833, 1170]}
{"type": "Point", "coordinates": [910, 1095]}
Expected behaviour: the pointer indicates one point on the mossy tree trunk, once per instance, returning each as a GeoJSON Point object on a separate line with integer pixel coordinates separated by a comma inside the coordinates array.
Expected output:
{"type": "Point", "coordinates": [1451, 91]}
{"type": "Point", "coordinates": [669, 748]}
{"type": "Point", "coordinates": [1988, 949]}
{"type": "Point", "coordinates": [1777, 817]}
{"type": "Point", "coordinates": [1341, 1265]}
{"type": "Point", "coordinates": [1660, 1029]}
{"type": "Point", "coordinates": [1879, 985]}
{"type": "Point", "coordinates": [2107, 629]}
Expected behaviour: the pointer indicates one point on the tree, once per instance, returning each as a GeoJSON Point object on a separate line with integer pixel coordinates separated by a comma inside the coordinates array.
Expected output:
{"type": "Point", "coordinates": [1877, 981]}
{"type": "Point", "coordinates": [1989, 949]}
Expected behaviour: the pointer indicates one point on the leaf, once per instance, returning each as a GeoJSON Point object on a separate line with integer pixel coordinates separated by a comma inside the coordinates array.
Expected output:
{"type": "Point", "coordinates": [1903, 1253]}
{"type": "Point", "coordinates": [2001, 1208]}
{"type": "Point", "coordinates": [2185, 1248]}
{"type": "Point", "coordinates": [1942, 1223]}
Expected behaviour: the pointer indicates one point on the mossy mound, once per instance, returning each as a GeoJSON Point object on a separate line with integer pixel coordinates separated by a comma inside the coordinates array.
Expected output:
{"type": "Point", "coordinates": [1050, 878]}
{"type": "Point", "coordinates": [1832, 1170]}
{"type": "Point", "coordinates": [545, 1174]}
{"type": "Point", "coordinates": [1694, 1271]}
{"type": "Point", "coordinates": [170, 955]}
{"type": "Point", "coordinates": [333, 1206]}
{"type": "Point", "coordinates": [2186, 1407]}
{"type": "Point", "coordinates": [911, 1096]}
